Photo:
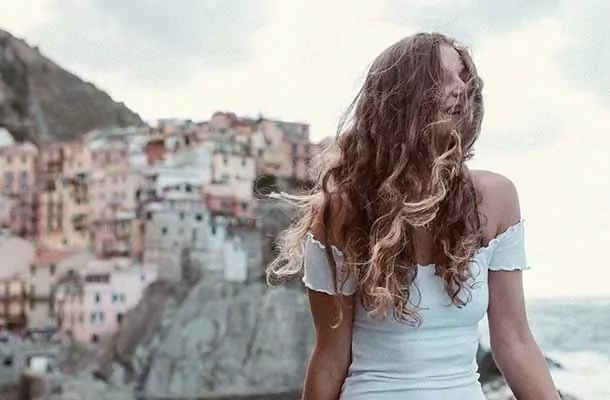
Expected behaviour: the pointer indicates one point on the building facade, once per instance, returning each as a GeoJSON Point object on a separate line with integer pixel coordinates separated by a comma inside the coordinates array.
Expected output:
{"type": "Point", "coordinates": [94, 305]}
{"type": "Point", "coordinates": [18, 169]}
{"type": "Point", "coordinates": [13, 302]}
{"type": "Point", "coordinates": [64, 199]}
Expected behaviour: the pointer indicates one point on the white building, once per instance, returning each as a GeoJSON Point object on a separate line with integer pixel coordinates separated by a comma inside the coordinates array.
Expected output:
{"type": "Point", "coordinates": [180, 220]}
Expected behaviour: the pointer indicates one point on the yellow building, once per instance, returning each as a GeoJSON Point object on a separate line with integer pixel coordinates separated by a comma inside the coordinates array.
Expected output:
{"type": "Point", "coordinates": [13, 301]}
{"type": "Point", "coordinates": [64, 200]}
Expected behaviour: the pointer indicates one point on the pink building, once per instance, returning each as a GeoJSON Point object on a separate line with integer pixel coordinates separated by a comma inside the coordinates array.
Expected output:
{"type": "Point", "coordinates": [229, 205]}
{"type": "Point", "coordinates": [112, 232]}
{"type": "Point", "coordinates": [112, 181]}
{"type": "Point", "coordinates": [113, 190]}
{"type": "Point", "coordinates": [289, 149]}
{"type": "Point", "coordinates": [93, 304]}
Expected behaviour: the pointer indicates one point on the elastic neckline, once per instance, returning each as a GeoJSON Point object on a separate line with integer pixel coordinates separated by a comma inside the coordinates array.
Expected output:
{"type": "Point", "coordinates": [482, 249]}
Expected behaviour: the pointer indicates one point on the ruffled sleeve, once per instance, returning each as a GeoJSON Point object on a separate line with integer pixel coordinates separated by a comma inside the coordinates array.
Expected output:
{"type": "Point", "coordinates": [508, 250]}
{"type": "Point", "coordinates": [317, 275]}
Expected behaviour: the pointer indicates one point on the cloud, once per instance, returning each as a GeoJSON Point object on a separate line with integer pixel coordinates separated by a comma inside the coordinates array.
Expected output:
{"type": "Point", "coordinates": [469, 20]}
{"type": "Point", "coordinates": [586, 59]}
{"type": "Point", "coordinates": [150, 39]}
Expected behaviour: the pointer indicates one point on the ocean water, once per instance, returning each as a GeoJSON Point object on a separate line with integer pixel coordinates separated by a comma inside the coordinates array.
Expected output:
{"type": "Point", "coordinates": [575, 333]}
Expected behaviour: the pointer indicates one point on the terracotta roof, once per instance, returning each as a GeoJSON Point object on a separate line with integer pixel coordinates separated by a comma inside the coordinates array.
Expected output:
{"type": "Point", "coordinates": [48, 257]}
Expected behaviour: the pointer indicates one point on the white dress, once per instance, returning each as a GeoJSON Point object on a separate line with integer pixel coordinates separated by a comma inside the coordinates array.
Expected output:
{"type": "Point", "coordinates": [435, 361]}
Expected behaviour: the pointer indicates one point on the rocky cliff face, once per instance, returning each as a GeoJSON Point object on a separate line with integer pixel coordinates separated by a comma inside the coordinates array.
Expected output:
{"type": "Point", "coordinates": [205, 337]}
{"type": "Point", "coordinates": [227, 339]}
{"type": "Point", "coordinates": [41, 101]}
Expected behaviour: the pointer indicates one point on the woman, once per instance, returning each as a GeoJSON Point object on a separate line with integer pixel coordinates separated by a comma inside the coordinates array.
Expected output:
{"type": "Point", "coordinates": [404, 249]}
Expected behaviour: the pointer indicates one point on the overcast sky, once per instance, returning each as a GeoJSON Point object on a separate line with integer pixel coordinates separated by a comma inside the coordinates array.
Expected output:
{"type": "Point", "coordinates": [546, 66]}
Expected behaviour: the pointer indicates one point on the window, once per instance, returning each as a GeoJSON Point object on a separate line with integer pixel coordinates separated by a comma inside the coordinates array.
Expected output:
{"type": "Point", "coordinates": [52, 269]}
{"type": "Point", "coordinates": [188, 187]}
{"type": "Point", "coordinates": [115, 297]}
{"type": "Point", "coordinates": [181, 216]}
{"type": "Point", "coordinates": [119, 318]}
{"type": "Point", "coordinates": [97, 278]}
{"type": "Point", "coordinates": [244, 206]}
{"type": "Point", "coordinates": [164, 230]}
{"type": "Point", "coordinates": [198, 217]}
{"type": "Point", "coordinates": [95, 338]}
{"type": "Point", "coordinates": [98, 298]}
{"type": "Point", "coordinates": [23, 180]}
{"type": "Point", "coordinates": [8, 182]}
{"type": "Point", "coordinates": [49, 186]}
{"type": "Point", "coordinates": [149, 215]}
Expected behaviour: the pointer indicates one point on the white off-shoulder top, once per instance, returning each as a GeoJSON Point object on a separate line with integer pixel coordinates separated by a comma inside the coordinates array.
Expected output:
{"type": "Point", "coordinates": [435, 360]}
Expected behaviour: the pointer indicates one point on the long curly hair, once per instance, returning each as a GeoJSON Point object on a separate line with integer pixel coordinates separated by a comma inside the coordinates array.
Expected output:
{"type": "Point", "coordinates": [397, 166]}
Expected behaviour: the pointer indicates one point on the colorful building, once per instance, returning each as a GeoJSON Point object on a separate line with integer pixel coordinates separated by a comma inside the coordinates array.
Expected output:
{"type": "Point", "coordinates": [92, 303]}
{"type": "Point", "coordinates": [64, 200]}
{"type": "Point", "coordinates": [289, 152]}
{"type": "Point", "coordinates": [13, 301]}
{"type": "Point", "coordinates": [18, 167]}
{"type": "Point", "coordinates": [112, 181]}
{"type": "Point", "coordinates": [113, 232]}
{"type": "Point", "coordinates": [42, 277]}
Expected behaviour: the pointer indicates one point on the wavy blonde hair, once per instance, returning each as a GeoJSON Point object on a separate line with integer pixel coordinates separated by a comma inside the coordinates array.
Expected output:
{"type": "Point", "coordinates": [398, 165]}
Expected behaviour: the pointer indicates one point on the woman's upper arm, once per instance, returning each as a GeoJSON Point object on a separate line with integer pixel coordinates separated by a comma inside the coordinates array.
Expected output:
{"type": "Point", "coordinates": [333, 321]}
{"type": "Point", "coordinates": [506, 312]}
{"type": "Point", "coordinates": [332, 313]}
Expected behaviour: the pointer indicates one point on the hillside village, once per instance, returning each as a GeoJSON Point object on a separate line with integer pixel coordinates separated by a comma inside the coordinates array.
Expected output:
{"type": "Point", "coordinates": [88, 224]}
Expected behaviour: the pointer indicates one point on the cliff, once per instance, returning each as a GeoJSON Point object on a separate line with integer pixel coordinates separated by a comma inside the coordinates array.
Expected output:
{"type": "Point", "coordinates": [40, 101]}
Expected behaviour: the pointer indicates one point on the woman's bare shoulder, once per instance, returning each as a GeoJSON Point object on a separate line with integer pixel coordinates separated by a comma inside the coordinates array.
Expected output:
{"type": "Point", "coordinates": [335, 208]}
{"type": "Point", "coordinates": [499, 199]}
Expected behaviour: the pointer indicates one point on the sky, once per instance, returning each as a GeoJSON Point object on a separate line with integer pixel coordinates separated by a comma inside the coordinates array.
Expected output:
{"type": "Point", "coordinates": [545, 65]}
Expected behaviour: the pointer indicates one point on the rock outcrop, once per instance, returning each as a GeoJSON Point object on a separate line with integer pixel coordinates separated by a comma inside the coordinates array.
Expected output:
{"type": "Point", "coordinates": [40, 101]}
{"type": "Point", "coordinates": [494, 385]}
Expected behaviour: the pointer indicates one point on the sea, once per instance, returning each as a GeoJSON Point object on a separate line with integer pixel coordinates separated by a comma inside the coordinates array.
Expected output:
{"type": "Point", "coordinates": [574, 332]}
